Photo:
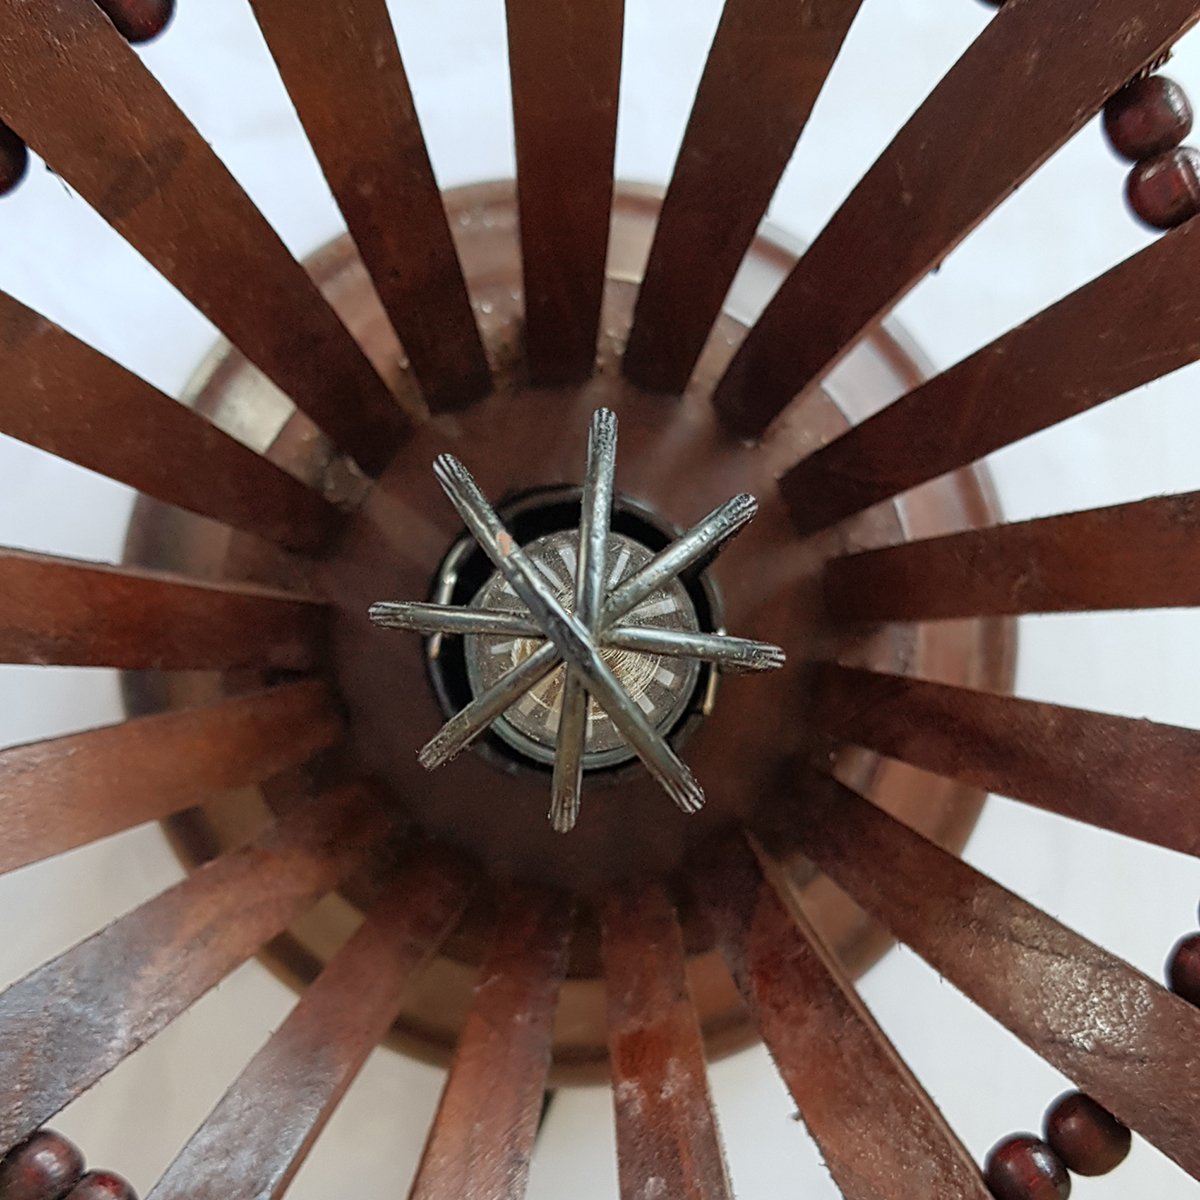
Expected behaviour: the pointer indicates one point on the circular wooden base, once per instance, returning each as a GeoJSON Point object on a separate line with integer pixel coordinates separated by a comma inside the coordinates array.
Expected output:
{"type": "Point", "coordinates": [673, 459]}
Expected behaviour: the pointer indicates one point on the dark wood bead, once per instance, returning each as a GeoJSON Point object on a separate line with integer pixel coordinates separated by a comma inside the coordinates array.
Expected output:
{"type": "Point", "coordinates": [1183, 969]}
{"type": "Point", "coordinates": [14, 160]}
{"type": "Point", "coordinates": [1088, 1138]}
{"type": "Point", "coordinates": [1165, 191]}
{"type": "Point", "coordinates": [1147, 118]}
{"type": "Point", "coordinates": [43, 1167]}
{"type": "Point", "coordinates": [102, 1185]}
{"type": "Point", "coordinates": [139, 20]}
{"type": "Point", "coordinates": [1025, 1168]}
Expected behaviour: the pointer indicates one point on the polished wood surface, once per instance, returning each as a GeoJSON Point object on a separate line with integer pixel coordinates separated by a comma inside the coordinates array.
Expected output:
{"type": "Point", "coordinates": [259, 1134]}
{"type": "Point", "coordinates": [68, 791]}
{"type": "Point", "coordinates": [1136, 778]}
{"type": "Point", "coordinates": [1139, 555]}
{"type": "Point", "coordinates": [67, 612]}
{"type": "Point", "coordinates": [767, 65]}
{"type": "Point", "coordinates": [62, 396]}
{"type": "Point", "coordinates": [1132, 325]}
{"type": "Point", "coordinates": [990, 123]}
{"type": "Point", "coordinates": [565, 65]}
{"type": "Point", "coordinates": [667, 1138]}
{"type": "Point", "coordinates": [71, 1021]}
{"type": "Point", "coordinates": [877, 1129]}
{"type": "Point", "coordinates": [482, 1137]}
{"type": "Point", "coordinates": [343, 71]}
{"type": "Point", "coordinates": [68, 81]}
{"type": "Point", "coordinates": [1123, 1039]}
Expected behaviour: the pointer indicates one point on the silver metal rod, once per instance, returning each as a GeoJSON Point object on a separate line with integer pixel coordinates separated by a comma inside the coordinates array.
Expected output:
{"type": "Point", "coordinates": [449, 618]}
{"type": "Point", "coordinates": [566, 632]}
{"type": "Point", "coordinates": [729, 653]}
{"type": "Point", "coordinates": [465, 726]}
{"type": "Point", "coordinates": [699, 541]}
{"type": "Point", "coordinates": [595, 517]}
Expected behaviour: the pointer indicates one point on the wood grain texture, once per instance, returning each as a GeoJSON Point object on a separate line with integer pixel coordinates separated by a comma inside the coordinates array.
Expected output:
{"type": "Point", "coordinates": [68, 791]}
{"type": "Point", "coordinates": [1134, 324]}
{"type": "Point", "coordinates": [565, 63]}
{"type": "Point", "coordinates": [482, 1138]}
{"type": "Point", "coordinates": [260, 1133]}
{"type": "Point", "coordinates": [78, 94]}
{"type": "Point", "coordinates": [71, 1021]}
{"type": "Point", "coordinates": [767, 66]}
{"type": "Point", "coordinates": [1136, 778]}
{"type": "Point", "coordinates": [1027, 83]}
{"type": "Point", "coordinates": [66, 612]}
{"type": "Point", "coordinates": [62, 396]}
{"type": "Point", "coordinates": [1124, 1040]}
{"type": "Point", "coordinates": [878, 1131]}
{"type": "Point", "coordinates": [1139, 555]}
{"type": "Point", "coordinates": [342, 68]}
{"type": "Point", "coordinates": [667, 1138]}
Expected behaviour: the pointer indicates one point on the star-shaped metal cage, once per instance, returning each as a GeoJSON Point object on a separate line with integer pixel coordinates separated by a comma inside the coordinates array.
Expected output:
{"type": "Point", "coordinates": [578, 637]}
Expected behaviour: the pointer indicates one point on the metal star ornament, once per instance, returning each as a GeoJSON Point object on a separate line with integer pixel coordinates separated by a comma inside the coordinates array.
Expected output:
{"type": "Point", "coordinates": [598, 623]}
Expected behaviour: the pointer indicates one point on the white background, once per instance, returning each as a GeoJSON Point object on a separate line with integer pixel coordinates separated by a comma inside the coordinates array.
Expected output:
{"type": "Point", "coordinates": [1065, 226]}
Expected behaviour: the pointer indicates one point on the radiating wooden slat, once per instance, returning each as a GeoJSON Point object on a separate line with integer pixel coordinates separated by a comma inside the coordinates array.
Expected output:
{"type": "Point", "coordinates": [1136, 778]}
{"type": "Point", "coordinates": [483, 1134]}
{"type": "Point", "coordinates": [878, 1131]}
{"type": "Point", "coordinates": [71, 1021]}
{"type": "Point", "coordinates": [1140, 555]}
{"type": "Point", "coordinates": [1130, 1044]}
{"type": "Point", "coordinates": [68, 399]}
{"type": "Point", "coordinates": [667, 1139]}
{"type": "Point", "coordinates": [767, 66]}
{"type": "Point", "coordinates": [66, 792]}
{"type": "Point", "coordinates": [78, 94]}
{"type": "Point", "coordinates": [565, 63]}
{"type": "Point", "coordinates": [343, 71]}
{"type": "Point", "coordinates": [1027, 83]}
{"type": "Point", "coordinates": [1134, 324]}
{"type": "Point", "coordinates": [66, 612]}
{"type": "Point", "coordinates": [261, 1131]}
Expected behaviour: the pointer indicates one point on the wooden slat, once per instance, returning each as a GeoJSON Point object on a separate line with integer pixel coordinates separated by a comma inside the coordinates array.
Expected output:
{"type": "Point", "coordinates": [565, 62]}
{"type": "Point", "coordinates": [259, 1134]}
{"type": "Point", "coordinates": [342, 68]}
{"type": "Point", "coordinates": [483, 1134]}
{"type": "Point", "coordinates": [1130, 1044]}
{"type": "Point", "coordinates": [767, 66]}
{"type": "Point", "coordinates": [878, 1131]}
{"type": "Point", "coordinates": [1136, 778]}
{"type": "Point", "coordinates": [667, 1139]}
{"type": "Point", "coordinates": [71, 1021]}
{"type": "Point", "coordinates": [1027, 83]}
{"type": "Point", "coordinates": [66, 612]}
{"type": "Point", "coordinates": [1140, 555]}
{"type": "Point", "coordinates": [1134, 324]}
{"type": "Point", "coordinates": [68, 399]}
{"type": "Point", "coordinates": [66, 792]}
{"type": "Point", "coordinates": [78, 94]}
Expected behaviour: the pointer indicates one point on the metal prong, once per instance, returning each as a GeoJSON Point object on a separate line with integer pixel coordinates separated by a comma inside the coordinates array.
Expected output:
{"type": "Point", "coordinates": [729, 653]}
{"type": "Point", "coordinates": [700, 541]}
{"type": "Point", "coordinates": [565, 631]}
{"type": "Point", "coordinates": [465, 726]}
{"type": "Point", "coordinates": [595, 517]}
{"type": "Point", "coordinates": [447, 618]}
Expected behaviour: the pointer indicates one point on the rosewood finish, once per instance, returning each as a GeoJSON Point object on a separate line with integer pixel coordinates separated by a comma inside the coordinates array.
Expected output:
{"type": "Point", "coordinates": [1122, 1038]}
{"type": "Point", "coordinates": [667, 1138]}
{"type": "Point", "coordinates": [992, 121]}
{"type": "Point", "coordinates": [343, 71]}
{"type": "Point", "coordinates": [1139, 555]}
{"type": "Point", "coordinates": [62, 611]}
{"type": "Point", "coordinates": [67, 80]}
